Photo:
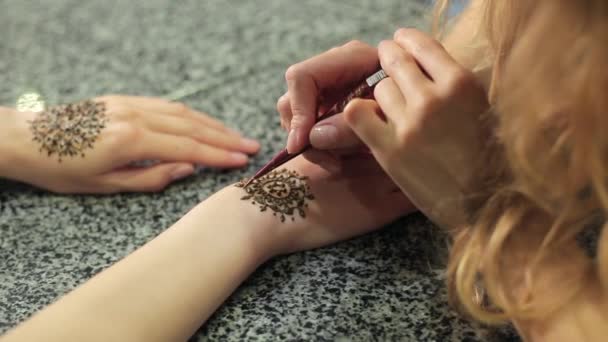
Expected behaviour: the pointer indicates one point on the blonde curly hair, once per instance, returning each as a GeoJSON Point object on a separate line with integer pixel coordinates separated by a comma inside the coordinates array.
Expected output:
{"type": "Point", "coordinates": [545, 176]}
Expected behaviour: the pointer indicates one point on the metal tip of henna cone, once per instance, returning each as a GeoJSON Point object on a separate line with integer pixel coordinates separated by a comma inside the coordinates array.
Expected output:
{"type": "Point", "coordinates": [264, 170]}
{"type": "Point", "coordinates": [278, 160]}
{"type": "Point", "coordinates": [248, 182]}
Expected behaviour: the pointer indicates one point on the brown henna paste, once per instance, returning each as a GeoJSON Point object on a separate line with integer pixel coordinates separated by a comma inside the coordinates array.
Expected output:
{"type": "Point", "coordinates": [284, 192]}
{"type": "Point", "coordinates": [68, 130]}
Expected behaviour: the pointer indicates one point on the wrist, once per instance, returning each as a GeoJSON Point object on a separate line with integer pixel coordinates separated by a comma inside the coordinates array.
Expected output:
{"type": "Point", "coordinates": [18, 153]}
{"type": "Point", "coordinates": [255, 231]}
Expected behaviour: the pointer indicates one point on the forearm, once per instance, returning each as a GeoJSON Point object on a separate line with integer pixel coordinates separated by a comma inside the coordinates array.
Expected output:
{"type": "Point", "coordinates": [165, 290]}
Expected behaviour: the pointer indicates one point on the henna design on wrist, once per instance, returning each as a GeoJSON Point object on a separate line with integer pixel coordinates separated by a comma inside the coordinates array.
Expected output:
{"type": "Point", "coordinates": [282, 191]}
{"type": "Point", "coordinates": [68, 130]}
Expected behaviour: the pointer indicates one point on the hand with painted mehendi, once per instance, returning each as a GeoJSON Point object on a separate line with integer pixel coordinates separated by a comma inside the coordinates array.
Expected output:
{"type": "Point", "coordinates": [166, 289]}
{"type": "Point", "coordinates": [91, 146]}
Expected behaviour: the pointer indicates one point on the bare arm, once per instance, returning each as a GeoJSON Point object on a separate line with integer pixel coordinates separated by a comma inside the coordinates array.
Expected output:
{"type": "Point", "coordinates": [165, 290]}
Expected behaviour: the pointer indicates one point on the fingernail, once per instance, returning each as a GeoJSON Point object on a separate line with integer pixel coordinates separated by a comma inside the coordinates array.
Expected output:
{"type": "Point", "coordinates": [296, 140]}
{"type": "Point", "coordinates": [239, 158]}
{"type": "Point", "coordinates": [324, 136]}
{"type": "Point", "coordinates": [292, 142]}
{"type": "Point", "coordinates": [250, 144]}
{"type": "Point", "coordinates": [182, 171]}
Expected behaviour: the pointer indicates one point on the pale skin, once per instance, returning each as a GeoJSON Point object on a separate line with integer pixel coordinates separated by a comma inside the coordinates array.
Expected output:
{"type": "Point", "coordinates": [138, 128]}
{"type": "Point", "coordinates": [165, 290]}
{"type": "Point", "coordinates": [426, 137]}
{"type": "Point", "coordinates": [423, 128]}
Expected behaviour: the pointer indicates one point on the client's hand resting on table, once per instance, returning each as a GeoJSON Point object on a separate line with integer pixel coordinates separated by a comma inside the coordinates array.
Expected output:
{"type": "Point", "coordinates": [165, 290]}
{"type": "Point", "coordinates": [92, 149]}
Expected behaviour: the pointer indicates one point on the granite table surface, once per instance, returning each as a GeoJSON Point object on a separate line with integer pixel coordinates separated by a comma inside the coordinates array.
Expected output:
{"type": "Point", "coordinates": [225, 57]}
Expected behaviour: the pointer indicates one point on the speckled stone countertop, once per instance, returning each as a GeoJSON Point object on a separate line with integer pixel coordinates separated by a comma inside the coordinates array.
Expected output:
{"type": "Point", "coordinates": [226, 57]}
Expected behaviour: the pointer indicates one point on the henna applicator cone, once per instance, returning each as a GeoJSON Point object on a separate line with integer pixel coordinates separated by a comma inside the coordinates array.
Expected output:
{"type": "Point", "coordinates": [363, 90]}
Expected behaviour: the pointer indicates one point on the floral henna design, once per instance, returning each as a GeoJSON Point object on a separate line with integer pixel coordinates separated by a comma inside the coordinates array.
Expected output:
{"type": "Point", "coordinates": [283, 191]}
{"type": "Point", "coordinates": [68, 130]}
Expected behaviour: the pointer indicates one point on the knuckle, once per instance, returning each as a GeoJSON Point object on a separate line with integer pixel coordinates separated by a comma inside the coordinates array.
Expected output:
{"type": "Point", "coordinates": [126, 132]}
{"type": "Point", "coordinates": [180, 108]}
{"type": "Point", "coordinates": [355, 45]}
{"type": "Point", "coordinates": [298, 121]}
{"type": "Point", "coordinates": [428, 44]}
{"type": "Point", "coordinates": [382, 46]}
{"type": "Point", "coordinates": [123, 113]}
{"type": "Point", "coordinates": [283, 104]}
{"type": "Point", "coordinates": [393, 62]}
{"type": "Point", "coordinates": [294, 73]}
{"type": "Point", "coordinates": [356, 104]}
{"type": "Point", "coordinates": [391, 59]}
{"type": "Point", "coordinates": [351, 111]}
{"type": "Point", "coordinates": [402, 33]}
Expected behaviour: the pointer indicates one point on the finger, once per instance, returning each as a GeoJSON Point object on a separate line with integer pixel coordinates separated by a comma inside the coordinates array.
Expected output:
{"type": "Point", "coordinates": [403, 69]}
{"type": "Point", "coordinates": [303, 93]}
{"type": "Point", "coordinates": [337, 67]}
{"type": "Point", "coordinates": [284, 109]}
{"type": "Point", "coordinates": [171, 148]}
{"type": "Point", "coordinates": [200, 132]}
{"type": "Point", "coordinates": [363, 116]}
{"type": "Point", "coordinates": [147, 179]}
{"type": "Point", "coordinates": [334, 133]}
{"type": "Point", "coordinates": [428, 52]}
{"type": "Point", "coordinates": [389, 97]}
{"type": "Point", "coordinates": [158, 105]}
{"type": "Point", "coordinates": [307, 80]}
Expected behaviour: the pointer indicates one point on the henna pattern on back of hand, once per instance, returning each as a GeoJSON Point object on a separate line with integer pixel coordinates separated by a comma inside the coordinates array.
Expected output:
{"type": "Point", "coordinates": [68, 130]}
{"type": "Point", "coordinates": [284, 192]}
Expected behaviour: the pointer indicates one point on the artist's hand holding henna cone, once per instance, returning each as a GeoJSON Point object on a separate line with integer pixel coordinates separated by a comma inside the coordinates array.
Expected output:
{"type": "Point", "coordinates": [193, 266]}
{"type": "Point", "coordinates": [90, 146]}
{"type": "Point", "coordinates": [425, 125]}
{"type": "Point", "coordinates": [315, 84]}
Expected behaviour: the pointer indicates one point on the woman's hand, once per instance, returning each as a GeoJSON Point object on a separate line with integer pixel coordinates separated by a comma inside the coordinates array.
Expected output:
{"type": "Point", "coordinates": [424, 125]}
{"type": "Point", "coordinates": [166, 289]}
{"type": "Point", "coordinates": [352, 196]}
{"type": "Point", "coordinates": [137, 129]}
{"type": "Point", "coordinates": [315, 84]}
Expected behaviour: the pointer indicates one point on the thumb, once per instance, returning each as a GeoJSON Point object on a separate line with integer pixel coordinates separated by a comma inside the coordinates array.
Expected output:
{"type": "Point", "coordinates": [148, 179]}
{"type": "Point", "coordinates": [334, 133]}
